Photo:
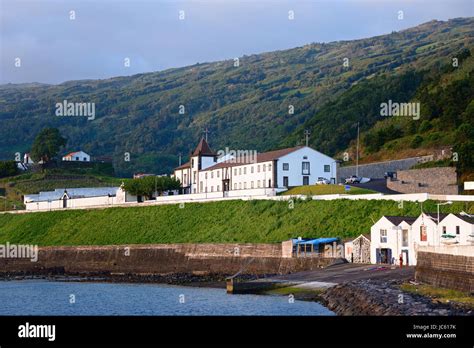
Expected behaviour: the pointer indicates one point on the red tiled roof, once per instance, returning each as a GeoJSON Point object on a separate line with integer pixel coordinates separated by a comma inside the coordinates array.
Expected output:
{"type": "Point", "coordinates": [261, 157]}
{"type": "Point", "coordinates": [184, 166]}
{"type": "Point", "coordinates": [203, 149]}
{"type": "Point", "coordinates": [71, 153]}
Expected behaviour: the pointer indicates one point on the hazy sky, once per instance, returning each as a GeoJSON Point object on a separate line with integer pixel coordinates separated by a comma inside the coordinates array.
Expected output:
{"type": "Point", "coordinates": [53, 48]}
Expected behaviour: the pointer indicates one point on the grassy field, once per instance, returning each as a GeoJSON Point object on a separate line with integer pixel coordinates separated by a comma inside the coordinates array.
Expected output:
{"type": "Point", "coordinates": [312, 190]}
{"type": "Point", "coordinates": [229, 221]}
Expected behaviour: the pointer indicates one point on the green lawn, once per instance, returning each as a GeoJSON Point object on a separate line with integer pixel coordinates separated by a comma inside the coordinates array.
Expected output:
{"type": "Point", "coordinates": [312, 190]}
{"type": "Point", "coordinates": [215, 222]}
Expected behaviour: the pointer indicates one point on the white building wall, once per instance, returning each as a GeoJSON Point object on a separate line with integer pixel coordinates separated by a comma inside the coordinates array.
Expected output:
{"type": "Point", "coordinates": [295, 162]}
{"type": "Point", "coordinates": [465, 228]}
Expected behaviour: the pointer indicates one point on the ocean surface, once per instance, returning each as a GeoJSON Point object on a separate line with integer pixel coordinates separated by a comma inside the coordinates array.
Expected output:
{"type": "Point", "coordinates": [42, 297]}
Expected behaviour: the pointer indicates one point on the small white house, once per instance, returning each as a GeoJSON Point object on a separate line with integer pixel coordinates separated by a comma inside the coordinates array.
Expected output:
{"type": "Point", "coordinates": [78, 156]}
{"type": "Point", "coordinates": [27, 159]}
{"type": "Point", "coordinates": [77, 198]}
{"type": "Point", "coordinates": [392, 236]}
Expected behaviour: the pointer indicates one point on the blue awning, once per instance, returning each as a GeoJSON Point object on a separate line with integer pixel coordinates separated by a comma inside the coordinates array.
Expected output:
{"type": "Point", "coordinates": [315, 241]}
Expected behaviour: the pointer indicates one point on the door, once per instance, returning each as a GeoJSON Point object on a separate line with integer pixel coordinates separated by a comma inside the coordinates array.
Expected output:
{"type": "Point", "coordinates": [406, 260]}
{"type": "Point", "coordinates": [305, 180]}
{"type": "Point", "coordinates": [285, 181]}
{"type": "Point", "coordinates": [64, 201]}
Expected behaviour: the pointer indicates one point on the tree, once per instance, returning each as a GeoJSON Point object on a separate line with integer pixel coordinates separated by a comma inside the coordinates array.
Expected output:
{"type": "Point", "coordinates": [47, 145]}
{"type": "Point", "coordinates": [8, 168]}
{"type": "Point", "coordinates": [146, 186]}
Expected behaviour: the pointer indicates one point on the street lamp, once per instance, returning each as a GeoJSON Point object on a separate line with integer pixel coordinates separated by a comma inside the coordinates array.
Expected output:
{"type": "Point", "coordinates": [437, 224]}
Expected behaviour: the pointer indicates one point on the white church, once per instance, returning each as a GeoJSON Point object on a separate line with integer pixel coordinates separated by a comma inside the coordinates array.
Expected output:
{"type": "Point", "coordinates": [246, 173]}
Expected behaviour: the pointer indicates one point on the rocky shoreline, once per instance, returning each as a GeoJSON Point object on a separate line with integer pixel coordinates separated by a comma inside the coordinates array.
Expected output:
{"type": "Point", "coordinates": [384, 298]}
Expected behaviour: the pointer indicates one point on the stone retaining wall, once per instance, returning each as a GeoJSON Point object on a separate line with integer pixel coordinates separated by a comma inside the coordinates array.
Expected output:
{"type": "Point", "coordinates": [446, 270]}
{"type": "Point", "coordinates": [378, 169]}
{"type": "Point", "coordinates": [200, 259]}
{"type": "Point", "coordinates": [442, 180]}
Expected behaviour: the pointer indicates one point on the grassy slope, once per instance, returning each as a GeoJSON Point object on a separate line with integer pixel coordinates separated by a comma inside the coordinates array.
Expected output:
{"type": "Point", "coordinates": [325, 190]}
{"type": "Point", "coordinates": [231, 221]}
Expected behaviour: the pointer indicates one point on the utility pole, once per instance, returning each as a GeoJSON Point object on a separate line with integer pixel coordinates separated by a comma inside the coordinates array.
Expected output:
{"type": "Point", "coordinates": [357, 155]}
{"type": "Point", "coordinates": [306, 135]}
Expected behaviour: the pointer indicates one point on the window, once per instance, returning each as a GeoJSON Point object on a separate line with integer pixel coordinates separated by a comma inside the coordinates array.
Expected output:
{"type": "Point", "coordinates": [85, 159]}
{"type": "Point", "coordinates": [305, 168]}
{"type": "Point", "coordinates": [235, 186]}
{"type": "Point", "coordinates": [245, 170]}
{"type": "Point", "coordinates": [327, 168]}
{"type": "Point", "coordinates": [192, 162]}
{"type": "Point", "coordinates": [77, 158]}
{"type": "Point", "coordinates": [305, 180]}
{"type": "Point", "coordinates": [285, 181]}
{"type": "Point", "coordinates": [269, 167]}
{"type": "Point", "coordinates": [286, 166]}
{"type": "Point", "coordinates": [383, 236]}
{"type": "Point", "coordinates": [404, 238]}
{"type": "Point", "coordinates": [258, 183]}
{"type": "Point", "coordinates": [444, 229]}
{"type": "Point", "coordinates": [458, 231]}
{"type": "Point", "coordinates": [263, 167]}
{"type": "Point", "coordinates": [245, 185]}
{"type": "Point", "coordinates": [269, 183]}
{"type": "Point", "coordinates": [201, 187]}
{"type": "Point", "coordinates": [423, 234]}
{"type": "Point", "coordinates": [205, 175]}
{"type": "Point", "coordinates": [235, 171]}
{"type": "Point", "coordinates": [240, 171]}
{"type": "Point", "coordinates": [185, 179]}
{"type": "Point", "coordinates": [212, 175]}
{"type": "Point", "coordinates": [194, 178]}
{"type": "Point", "coordinates": [240, 186]}
{"type": "Point", "coordinates": [218, 188]}
{"type": "Point", "coordinates": [251, 184]}
{"type": "Point", "coordinates": [258, 169]}
{"type": "Point", "coordinates": [218, 175]}
{"type": "Point", "coordinates": [251, 169]}
{"type": "Point", "coordinates": [212, 188]}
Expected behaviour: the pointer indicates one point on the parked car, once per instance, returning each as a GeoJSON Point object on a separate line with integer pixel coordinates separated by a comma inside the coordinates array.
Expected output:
{"type": "Point", "coordinates": [354, 179]}
{"type": "Point", "coordinates": [322, 181]}
{"type": "Point", "coordinates": [391, 175]}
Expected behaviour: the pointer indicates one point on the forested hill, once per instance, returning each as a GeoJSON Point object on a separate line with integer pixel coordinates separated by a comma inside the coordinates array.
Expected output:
{"type": "Point", "coordinates": [245, 106]}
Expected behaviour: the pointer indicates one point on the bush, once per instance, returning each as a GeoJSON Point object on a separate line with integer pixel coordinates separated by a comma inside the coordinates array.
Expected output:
{"type": "Point", "coordinates": [416, 142]}
{"type": "Point", "coordinates": [8, 168]}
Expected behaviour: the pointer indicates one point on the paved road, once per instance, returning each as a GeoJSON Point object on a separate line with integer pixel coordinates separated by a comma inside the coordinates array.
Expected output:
{"type": "Point", "coordinates": [379, 185]}
{"type": "Point", "coordinates": [343, 273]}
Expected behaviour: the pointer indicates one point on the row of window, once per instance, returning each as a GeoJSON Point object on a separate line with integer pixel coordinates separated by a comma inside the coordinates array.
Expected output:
{"type": "Point", "coordinates": [423, 235]}
{"type": "Point", "coordinates": [240, 171]}
{"type": "Point", "coordinates": [305, 167]}
{"type": "Point", "coordinates": [237, 186]}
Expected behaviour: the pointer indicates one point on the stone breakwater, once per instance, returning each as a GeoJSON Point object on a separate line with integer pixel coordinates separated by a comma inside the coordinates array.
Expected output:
{"type": "Point", "coordinates": [161, 260]}
{"type": "Point", "coordinates": [371, 297]}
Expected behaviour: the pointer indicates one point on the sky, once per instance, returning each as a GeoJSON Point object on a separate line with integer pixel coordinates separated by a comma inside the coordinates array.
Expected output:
{"type": "Point", "coordinates": [39, 42]}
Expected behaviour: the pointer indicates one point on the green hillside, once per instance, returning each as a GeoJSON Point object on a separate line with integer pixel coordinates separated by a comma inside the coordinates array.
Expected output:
{"type": "Point", "coordinates": [245, 107]}
{"type": "Point", "coordinates": [231, 221]}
